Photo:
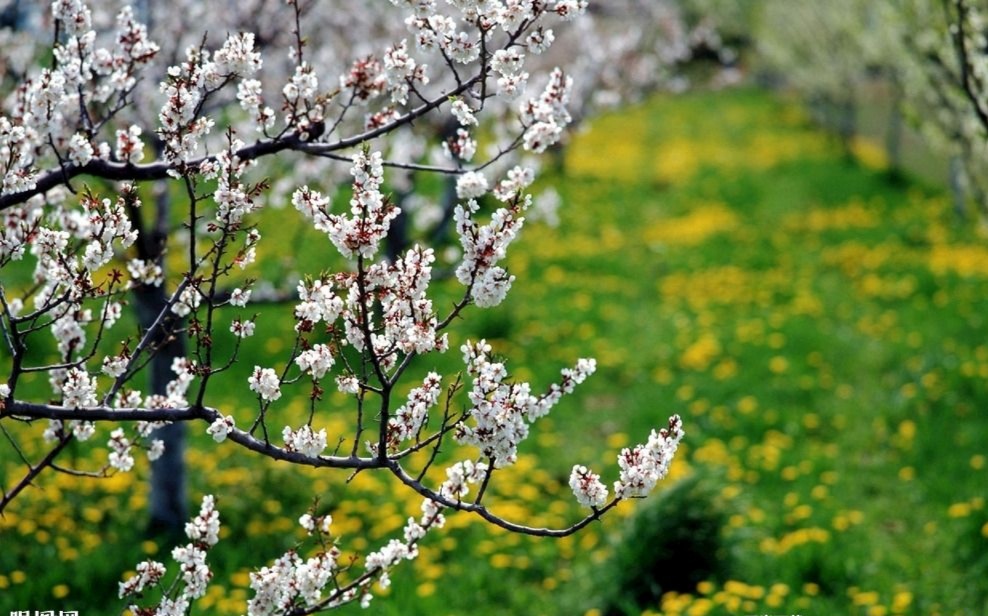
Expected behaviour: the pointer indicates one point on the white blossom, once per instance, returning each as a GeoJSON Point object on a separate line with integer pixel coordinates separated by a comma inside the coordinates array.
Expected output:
{"type": "Point", "coordinates": [242, 329]}
{"type": "Point", "coordinates": [79, 389]}
{"type": "Point", "coordinates": [471, 185]}
{"type": "Point", "coordinates": [265, 382]}
{"type": "Point", "coordinates": [304, 440]}
{"type": "Point", "coordinates": [188, 300]}
{"type": "Point", "coordinates": [195, 571]}
{"type": "Point", "coordinates": [315, 361]}
{"type": "Point", "coordinates": [463, 113]}
{"type": "Point", "coordinates": [130, 148]}
{"type": "Point", "coordinates": [115, 365]}
{"type": "Point", "coordinates": [587, 488]}
{"type": "Point", "coordinates": [156, 449]}
{"type": "Point", "coordinates": [149, 573]}
{"type": "Point", "coordinates": [221, 427]}
{"type": "Point", "coordinates": [205, 527]}
{"type": "Point", "coordinates": [348, 384]}
{"type": "Point", "coordinates": [239, 297]}
{"type": "Point", "coordinates": [644, 465]}
{"type": "Point", "coordinates": [120, 457]}
{"type": "Point", "coordinates": [80, 149]}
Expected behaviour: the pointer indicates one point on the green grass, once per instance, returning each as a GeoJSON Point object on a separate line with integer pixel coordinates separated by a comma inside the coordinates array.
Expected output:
{"type": "Point", "coordinates": [819, 328]}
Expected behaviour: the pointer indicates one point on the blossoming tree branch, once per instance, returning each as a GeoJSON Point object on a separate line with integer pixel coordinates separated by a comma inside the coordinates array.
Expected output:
{"type": "Point", "coordinates": [113, 119]}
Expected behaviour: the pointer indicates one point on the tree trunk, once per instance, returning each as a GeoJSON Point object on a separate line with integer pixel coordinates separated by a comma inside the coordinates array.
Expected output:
{"type": "Point", "coordinates": [847, 125]}
{"type": "Point", "coordinates": [893, 138]}
{"type": "Point", "coordinates": [957, 186]}
{"type": "Point", "coordinates": [168, 503]}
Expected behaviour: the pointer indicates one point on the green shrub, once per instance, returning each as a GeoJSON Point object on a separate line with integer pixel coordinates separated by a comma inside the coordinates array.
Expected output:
{"type": "Point", "coordinates": [674, 541]}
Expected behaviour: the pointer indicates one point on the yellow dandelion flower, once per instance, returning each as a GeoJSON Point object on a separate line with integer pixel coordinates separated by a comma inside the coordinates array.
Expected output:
{"type": "Point", "coordinates": [959, 510]}
{"type": "Point", "coordinates": [747, 405]}
{"type": "Point", "coordinates": [901, 601]}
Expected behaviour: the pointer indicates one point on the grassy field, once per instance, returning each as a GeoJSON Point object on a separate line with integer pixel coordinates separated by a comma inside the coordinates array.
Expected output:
{"type": "Point", "coordinates": [820, 328]}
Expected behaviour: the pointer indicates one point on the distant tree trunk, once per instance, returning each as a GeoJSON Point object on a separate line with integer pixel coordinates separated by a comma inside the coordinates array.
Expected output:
{"type": "Point", "coordinates": [957, 186]}
{"type": "Point", "coordinates": [168, 505]}
{"type": "Point", "coordinates": [893, 138]}
{"type": "Point", "coordinates": [397, 239]}
{"type": "Point", "coordinates": [449, 200]}
{"type": "Point", "coordinates": [847, 123]}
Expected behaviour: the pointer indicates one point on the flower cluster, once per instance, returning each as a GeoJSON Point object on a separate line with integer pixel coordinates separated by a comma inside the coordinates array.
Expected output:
{"type": "Point", "coordinates": [318, 302]}
{"type": "Point", "coordinates": [304, 440]}
{"type": "Point", "coordinates": [221, 427]}
{"type": "Point", "coordinates": [203, 533]}
{"type": "Point", "coordinates": [292, 579]}
{"type": "Point", "coordinates": [484, 246]}
{"type": "Point", "coordinates": [546, 116]}
{"type": "Point", "coordinates": [265, 383]}
{"type": "Point", "coordinates": [316, 361]}
{"type": "Point", "coordinates": [644, 465]}
{"type": "Point", "coordinates": [501, 411]}
{"type": "Point", "coordinates": [82, 73]}
{"type": "Point", "coordinates": [189, 85]}
{"type": "Point", "coordinates": [130, 148]}
{"type": "Point", "coordinates": [205, 527]}
{"type": "Point", "coordinates": [410, 418]}
{"type": "Point", "coordinates": [407, 314]}
{"type": "Point", "coordinates": [233, 200]}
{"type": "Point", "coordinates": [120, 457]}
{"type": "Point", "coordinates": [371, 212]}
{"type": "Point", "coordinates": [587, 487]}
{"type": "Point", "coordinates": [302, 109]}
{"type": "Point", "coordinates": [78, 389]}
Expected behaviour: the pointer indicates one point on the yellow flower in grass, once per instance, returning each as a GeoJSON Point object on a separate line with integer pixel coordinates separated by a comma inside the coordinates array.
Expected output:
{"type": "Point", "coordinates": [701, 353]}
{"type": "Point", "coordinates": [778, 364]}
{"type": "Point", "coordinates": [959, 510]}
{"type": "Point", "coordinates": [863, 598]}
{"type": "Point", "coordinates": [705, 587]}
{"type": "Point", "coordinates": [240, 578]}
{"type": "Point", "coordinates": [704, 221]}
{"type": "Point", "coordinates": [700, 607]}
{"type": "Point", "coordinates": [901, 601]}
{"type": "Point", "coordinates": [747, 404]}
{"type": "Point", "coordinates": [500, 561]}
{"type": "Point", "coordinates": [869, 154]}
